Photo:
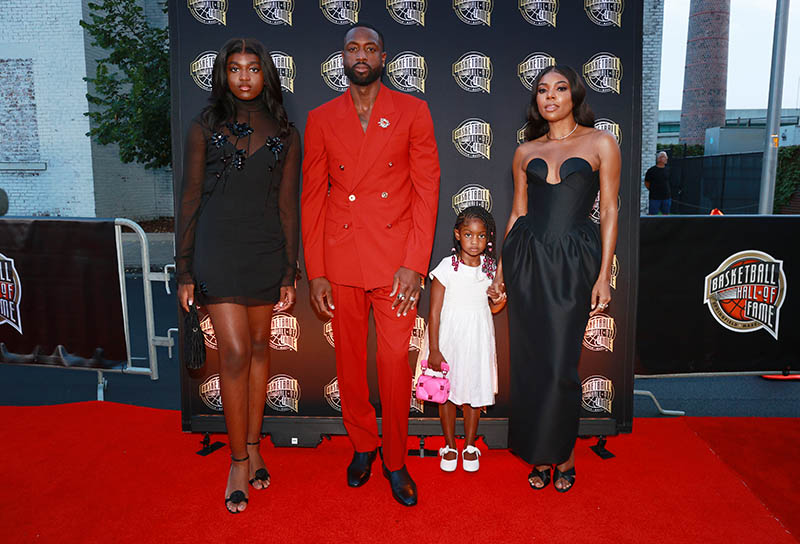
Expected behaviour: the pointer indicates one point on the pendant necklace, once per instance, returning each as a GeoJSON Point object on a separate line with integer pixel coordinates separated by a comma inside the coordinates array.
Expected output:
{"type": "Point", "coordinates": [565, 136]}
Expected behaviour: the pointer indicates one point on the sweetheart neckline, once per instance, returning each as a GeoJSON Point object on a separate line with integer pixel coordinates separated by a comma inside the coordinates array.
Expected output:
{"type": "Point", "coordinates": [565, 161]}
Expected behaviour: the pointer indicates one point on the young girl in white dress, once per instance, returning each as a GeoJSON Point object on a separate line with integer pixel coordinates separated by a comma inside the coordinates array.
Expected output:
{"type": "Point", "coordinates": [461, 331]}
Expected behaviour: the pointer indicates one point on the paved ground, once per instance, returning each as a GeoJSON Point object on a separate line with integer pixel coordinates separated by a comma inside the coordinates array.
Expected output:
{"type": "Point", "coordinates": [161, 245]}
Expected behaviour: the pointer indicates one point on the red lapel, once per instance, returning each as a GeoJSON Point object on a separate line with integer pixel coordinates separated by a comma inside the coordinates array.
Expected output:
{"type": "Point", "coordinates": [382, 122]}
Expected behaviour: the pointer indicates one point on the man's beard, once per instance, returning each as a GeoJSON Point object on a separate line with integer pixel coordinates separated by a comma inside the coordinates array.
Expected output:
{"type": "Point", "coordinates": [362, 80]}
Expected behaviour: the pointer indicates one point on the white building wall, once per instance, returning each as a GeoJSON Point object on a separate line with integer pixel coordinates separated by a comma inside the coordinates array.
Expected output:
{"type": "Point", "coordinates": [48, 34]}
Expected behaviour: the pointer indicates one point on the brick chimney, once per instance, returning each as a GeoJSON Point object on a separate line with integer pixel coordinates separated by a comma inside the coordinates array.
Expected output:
{"type": "Point", "coordinates": [706, 73]}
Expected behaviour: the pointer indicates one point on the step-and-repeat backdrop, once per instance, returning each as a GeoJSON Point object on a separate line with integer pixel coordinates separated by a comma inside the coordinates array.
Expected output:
{"type": "Point", "coordinates": [473, 61]}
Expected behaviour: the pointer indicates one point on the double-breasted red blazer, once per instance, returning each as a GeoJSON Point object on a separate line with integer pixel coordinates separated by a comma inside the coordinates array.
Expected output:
{"type": "Point", "coordinates": [369, 200]}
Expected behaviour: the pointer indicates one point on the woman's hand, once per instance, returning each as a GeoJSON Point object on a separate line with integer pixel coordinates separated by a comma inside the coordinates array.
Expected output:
{"type": "Point", "coordinates": [186, 295]}
{"type": "Point", "coordinates": [435, 360]}
{"type": "Point", "coordinates": [288, 297]}
{"type": "Point", "coordinates": [601, 295]}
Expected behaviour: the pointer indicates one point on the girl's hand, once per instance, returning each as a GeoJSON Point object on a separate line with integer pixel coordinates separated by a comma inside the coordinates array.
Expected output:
{"type": "Point", "coordinates": [497, 291]}
{"type": "Point", "coordinates": [601, 296]}
{"type": "Point", "coordinates": [435, 360]}
{"type": "Point", "coordinates": [288, 297]}
{"type": "Point", "coordinates": [186, 295]}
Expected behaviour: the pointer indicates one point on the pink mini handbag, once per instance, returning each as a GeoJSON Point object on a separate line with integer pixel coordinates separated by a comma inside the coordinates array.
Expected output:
{"type": "Point", "coordinates": [433, 388]}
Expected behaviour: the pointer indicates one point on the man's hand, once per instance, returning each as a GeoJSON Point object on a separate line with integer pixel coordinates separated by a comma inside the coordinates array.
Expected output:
{"type": "Point", "coordinates": [321, 296]}
{"type": "Point", "coordinates": [406, 286]}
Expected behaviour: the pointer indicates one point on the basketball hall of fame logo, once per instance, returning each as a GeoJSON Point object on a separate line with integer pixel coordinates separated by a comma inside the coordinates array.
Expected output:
{"type": "Point", "coordinates": [332, 71]}
{"type": "Point", "coordinates": [331, 391]}
{"type": "Point", "coordinates": [209, 336]}
{"type": "Point", "coordinates": [284, 332]}
{"type": "Point", "coordinates": [407, 71]}
{"type": "Point", "coordinates": [474, 12]}
{"type": "Point", "coordinates": [600, 333]}
{"type": "Point", "coordinates": [417, 334]}
{"type": "Point", "coordinates": [604, 12]}
{"type": "Point", "coordinates": [610, 126]}
{"type": "Point", "coordinates": [275, 12]}
{"type": "Point", "coordinates": [473, 138]}
{"type": "Point", "coordinates": [327, 331]}
{"type": "Point", "coordinates": [603, 73]}
{"type": "Point", "coordinates": [210, 393]}
{"type": "Point", "coordinates": [286, 69]}
{"type": "Point", "coordinates": [283, 393]}
{"type": "Point", "coordinates": [614, 272]}
{"type": "Point", "coordinates": [416, 405]}
{"type": "Point", "coordinates": [597, 394]}
{"type": "Point", "coordinates": [521, 134]}
{"type": "Point", "coordinates": [528, 69]}
{"type": "Point", "coordinates": [473, 72]}
{"type": "Point", "coordinates": [209, 12]}
{"type": "Point", "coordinates": [594, 215]}
{"type": "Point", "coordinates": [539, 12]}
{"type": "Point", "coordinates": [407, 12]}
{"type": "Point", "coordinates": [201, 68]}
{"type": "Point", "coordinates": [472, 195]}
{"type": "Point", "coordinates": [10, 294]}
{"type": "Point", "coordinates": [746, 292]}
{"type": "Point", "coordinates": [341, 12]}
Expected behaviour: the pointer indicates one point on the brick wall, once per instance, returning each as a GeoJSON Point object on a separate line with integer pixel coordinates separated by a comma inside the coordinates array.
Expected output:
{"type": "Point", "coordinates": [651, 81]}
{"type": "Point", "coordinates": [42, 44]}
{"type": "Point", "coordinates": [706, 74]}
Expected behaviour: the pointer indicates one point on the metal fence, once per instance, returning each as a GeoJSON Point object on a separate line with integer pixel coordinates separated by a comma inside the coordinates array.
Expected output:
{"type": "Point", "coordinates": [730, 183]}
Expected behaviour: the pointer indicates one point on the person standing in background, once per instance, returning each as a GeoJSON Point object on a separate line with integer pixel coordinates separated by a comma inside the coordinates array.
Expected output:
{"type": "Point", "coordinates": [657, 182]}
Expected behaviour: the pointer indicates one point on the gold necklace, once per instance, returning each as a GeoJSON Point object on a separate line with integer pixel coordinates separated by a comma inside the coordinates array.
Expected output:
{"type": "Point", "coordinates": [563, 137]}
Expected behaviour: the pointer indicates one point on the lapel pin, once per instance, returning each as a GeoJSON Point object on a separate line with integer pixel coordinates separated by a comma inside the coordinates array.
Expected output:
{"type": "Point", "coordinates": [383, 123]}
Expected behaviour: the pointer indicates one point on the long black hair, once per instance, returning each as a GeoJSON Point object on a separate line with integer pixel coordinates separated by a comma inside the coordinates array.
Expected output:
{"type": "Point", "coordinates": [490, 253]}
{"type": "Point", "coordinates": [222, 108]}
{"type": "Point", "coordinates": [581, 112]}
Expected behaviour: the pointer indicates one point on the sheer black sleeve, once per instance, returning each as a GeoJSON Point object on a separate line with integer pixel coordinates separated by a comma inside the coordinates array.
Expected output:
{"type": "Point", "coordinates": [288, 205]}
{"type": "Point", "coordinates": [194, 162]}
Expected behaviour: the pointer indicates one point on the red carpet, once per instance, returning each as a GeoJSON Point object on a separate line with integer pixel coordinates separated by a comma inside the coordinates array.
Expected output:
{"type": "Point", "coordinates": [103, 472]}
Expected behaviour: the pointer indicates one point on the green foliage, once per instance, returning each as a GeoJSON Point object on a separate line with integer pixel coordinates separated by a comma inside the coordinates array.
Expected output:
{"type": "Point", "coordinates": [787, 179]}
{"type": "Point", "coordinates": [676, 151]}
{"type": "Point", "coordinates": [131, 84]}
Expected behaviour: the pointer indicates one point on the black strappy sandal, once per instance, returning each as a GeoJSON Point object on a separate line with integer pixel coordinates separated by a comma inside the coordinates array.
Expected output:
{"type": "Point", "coordinates": [238, 496]}
{"type": "Point", "coordinates": [543, 475]}
{"type": "Point", "coordinates": [568, 475]}
{"type": "Point", "coordinates": [262, 474]}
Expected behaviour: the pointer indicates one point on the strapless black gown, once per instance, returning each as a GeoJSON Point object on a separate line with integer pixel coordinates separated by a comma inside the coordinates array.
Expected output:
{"type": "Point", "coordinates": [551, 259]}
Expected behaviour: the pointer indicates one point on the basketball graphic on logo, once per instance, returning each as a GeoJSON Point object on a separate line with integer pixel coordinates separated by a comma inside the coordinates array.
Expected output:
{"type": "Point", "coordinates": [734, 307]}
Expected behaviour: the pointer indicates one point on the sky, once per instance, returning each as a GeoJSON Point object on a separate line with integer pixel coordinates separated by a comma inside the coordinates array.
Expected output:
{"type": "Point", "coordinates": [749, 54]}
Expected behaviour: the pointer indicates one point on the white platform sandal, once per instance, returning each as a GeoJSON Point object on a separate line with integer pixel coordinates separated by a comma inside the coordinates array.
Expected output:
{"type": "Point", "coordinates": [448, 465]}
{"type": "Point", "coordinates": [471, 465]}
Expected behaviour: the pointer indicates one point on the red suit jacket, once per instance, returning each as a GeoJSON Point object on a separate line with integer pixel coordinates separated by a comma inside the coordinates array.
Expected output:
{"type": "Point", "coordinates": [369, 200]}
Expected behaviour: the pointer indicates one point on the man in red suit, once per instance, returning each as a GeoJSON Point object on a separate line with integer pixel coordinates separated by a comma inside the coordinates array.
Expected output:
{"type": "Point", "coordinates": [369, 203]}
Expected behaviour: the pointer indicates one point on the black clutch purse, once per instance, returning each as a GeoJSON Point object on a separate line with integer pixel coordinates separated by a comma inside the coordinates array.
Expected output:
{"type": "Point", "coordinates": [194, 348]}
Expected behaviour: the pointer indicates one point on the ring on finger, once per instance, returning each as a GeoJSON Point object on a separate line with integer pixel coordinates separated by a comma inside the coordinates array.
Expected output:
{"type": "Point", "coordinates": [411, 298]}
{"type": "Point", "coordinates": [401, 296]}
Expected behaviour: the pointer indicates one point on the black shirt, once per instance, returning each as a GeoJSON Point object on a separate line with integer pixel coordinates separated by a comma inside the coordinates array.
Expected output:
{"type": "Point", "coordinates": [659, 183]}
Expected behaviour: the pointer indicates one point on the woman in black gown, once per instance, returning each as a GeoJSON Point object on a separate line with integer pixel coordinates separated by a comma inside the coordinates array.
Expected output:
{"type": "Point", "coordinates": [556, 264]}
{"type": "Point", "coordinates": [238, 236]}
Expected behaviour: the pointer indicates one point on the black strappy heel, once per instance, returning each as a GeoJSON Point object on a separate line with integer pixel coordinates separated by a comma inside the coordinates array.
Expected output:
{"type": "Point", "coordinates": [568, 475]}
{"type": "Point", "coordinates": [543, 475]}
{"type": "Point", "coordinates": [238, 496]}
{"type": "Point", "coordinates": [262, 474]}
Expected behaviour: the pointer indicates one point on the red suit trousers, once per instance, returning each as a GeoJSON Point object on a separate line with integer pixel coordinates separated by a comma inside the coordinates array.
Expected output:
{"type": "Point", "coordinates": [350, 327]}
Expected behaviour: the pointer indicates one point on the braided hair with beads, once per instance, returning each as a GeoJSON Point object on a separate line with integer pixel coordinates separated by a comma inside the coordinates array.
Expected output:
{"type": "Point", "coordinates": [489, 265]}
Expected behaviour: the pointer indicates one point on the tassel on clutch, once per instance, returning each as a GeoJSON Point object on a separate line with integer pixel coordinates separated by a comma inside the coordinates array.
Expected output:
{"type": "Point", "coordinates": [194, 348]}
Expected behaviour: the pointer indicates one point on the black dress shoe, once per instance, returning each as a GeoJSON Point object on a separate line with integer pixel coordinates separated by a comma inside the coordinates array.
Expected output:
{"type": "Point", "coordinates": [404, 490]}
{"type": "Point", "coordinates": [360, 468]}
